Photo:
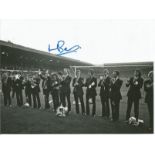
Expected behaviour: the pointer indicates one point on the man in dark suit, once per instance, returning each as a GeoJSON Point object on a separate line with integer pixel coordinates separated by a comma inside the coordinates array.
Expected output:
{"type": "Point", "coordinates": [104, 83]}
{"type": "Point", "coordinates": [28, 91]}
{"type": "Point", "coordinates": [135, 83]}
{"type": "Point", "coordinates": [13, 84]}
{"type": "Point", "coordinates": [65, 89]}
{"type": "Point", "coordinates": [55, 85]}
{"type": "Point", "coordinates": [18, 86]}
{"type": "Point", "coordinates": [6, 88]}
{"type": "Point", "coordinates": [115, 95]}
{"type": "Point", "coordinates": [78, 83]}
{"type": "Point", "coordinates": [148, 87]}
{"type": "Point", "coordinates": [46, 85]}
{"type": "Point", "coordinates": [35, 91]}
{"type": "Point", "coordinates": [91, 83]}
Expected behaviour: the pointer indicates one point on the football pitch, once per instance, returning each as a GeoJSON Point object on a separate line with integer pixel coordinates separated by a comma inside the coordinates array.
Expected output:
{"type": "Point", "coordinates": [34, 121]}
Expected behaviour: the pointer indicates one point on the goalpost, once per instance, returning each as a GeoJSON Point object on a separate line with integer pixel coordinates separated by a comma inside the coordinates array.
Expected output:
{"type": "Point", "coordinates": [74, 68]}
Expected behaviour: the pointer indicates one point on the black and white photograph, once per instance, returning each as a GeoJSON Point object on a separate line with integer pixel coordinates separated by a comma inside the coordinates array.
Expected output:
{"type": "Point", "coordinates": [77, 76]}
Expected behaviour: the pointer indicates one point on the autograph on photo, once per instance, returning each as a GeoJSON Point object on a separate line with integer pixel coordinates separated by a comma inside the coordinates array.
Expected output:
{"type": "Point", "coordinates": [62, 49]}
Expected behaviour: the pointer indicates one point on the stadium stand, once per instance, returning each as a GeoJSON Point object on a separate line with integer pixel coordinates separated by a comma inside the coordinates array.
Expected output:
{"type": "Point", "coordinates": [17, 57]}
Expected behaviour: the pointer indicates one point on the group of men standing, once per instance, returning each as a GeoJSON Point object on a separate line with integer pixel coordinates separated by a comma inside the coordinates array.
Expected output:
{"type": "Point", "coordinates": [109, 89]}
{"type": "Point", "coordinates": [58, 85]}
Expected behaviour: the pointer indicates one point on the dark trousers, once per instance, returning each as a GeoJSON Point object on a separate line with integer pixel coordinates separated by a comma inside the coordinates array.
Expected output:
{"type": "Point", "coordinates": [28, 98]}
{"type": "Point", "coordinates": [55, 96]}
{"type": "Point", "coordinates": [36, 100]}
{"type": "Point", "coordinates": [7, 98]}
{"type": "Point", "coordinates": [87, 104]}
{"type": "Point", "coordinates": [150, 109]}
{"type": "Point", "coordinates": [19, 97]}
{"type": "Point", "coordinates": [105, 106]}
{"type": "Point", "coordinates": [115, 109]}
{"type": "Point", "coordinates": [129, 107]}
{"type": "Point", "coordinates": [63, 100]}
{"type": "Point", "coordinates": [13, 93]}
{"type": "Point", "coordinates": [77, 99]}
{"type": "Point", "coordinates": [46, 98]}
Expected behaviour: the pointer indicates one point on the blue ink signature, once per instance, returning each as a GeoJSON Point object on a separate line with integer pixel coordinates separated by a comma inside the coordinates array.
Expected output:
{"type": "Point", "coordinates": [64, 50]}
